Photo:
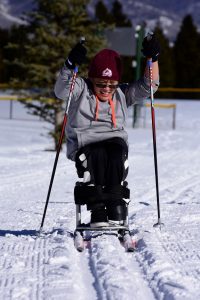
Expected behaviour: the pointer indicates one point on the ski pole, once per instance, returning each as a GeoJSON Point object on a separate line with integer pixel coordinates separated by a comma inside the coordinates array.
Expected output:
{"type": "Point", "coordinates": [149, 63]}
{"type": "Point", "coordinates": [82, 40]}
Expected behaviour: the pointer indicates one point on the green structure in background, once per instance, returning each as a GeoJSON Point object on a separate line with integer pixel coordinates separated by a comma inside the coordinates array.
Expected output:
{"type": "Point", "coordinates": [139, 35]}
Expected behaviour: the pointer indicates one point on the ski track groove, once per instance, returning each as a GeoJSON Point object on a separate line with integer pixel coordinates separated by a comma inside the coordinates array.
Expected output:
{"type": "Point", "coordinates": [182, 266]}
{"type": "Point", "coordinates": [19, 260]}
{"type": "Point", "coordinates": [25, 179]}
{"type": "Point", "coordinates": [91, 266]}
{"type": "Point", "coordinates": [108, 274]}
{"type": "Point", "coordinates": [160, 273]}
{"type": "Point", "coordinates": [182, 253]}
{"type": "Point", "coordinates": [96, 266]}
{"type": "Point", "coordinates": [40, 267]}
{"type": "Point", "coordinates": [169, 189]}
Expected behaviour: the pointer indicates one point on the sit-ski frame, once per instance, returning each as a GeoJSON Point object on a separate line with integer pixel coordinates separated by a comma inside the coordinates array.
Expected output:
{"type": "Point", "coordinates": [122, 232]}
{"type": "Point", "coordinates": [83, 227]}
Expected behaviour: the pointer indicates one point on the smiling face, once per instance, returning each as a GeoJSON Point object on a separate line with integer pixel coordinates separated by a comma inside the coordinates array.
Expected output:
{"type": "Point", "coordinates": [103, 88]}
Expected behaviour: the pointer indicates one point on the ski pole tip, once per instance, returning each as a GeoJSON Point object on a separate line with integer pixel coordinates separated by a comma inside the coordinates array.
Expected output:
{"type": "Point", "coordinates": [40, 231]}
{"type": "Point", "coordinates": [158, 224]}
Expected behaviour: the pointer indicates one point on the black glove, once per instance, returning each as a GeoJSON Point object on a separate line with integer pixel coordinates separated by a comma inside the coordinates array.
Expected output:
{"type": "Point", "coordinates": [76, 56]}
{"type": "Point", "coordinates": [151, 47]}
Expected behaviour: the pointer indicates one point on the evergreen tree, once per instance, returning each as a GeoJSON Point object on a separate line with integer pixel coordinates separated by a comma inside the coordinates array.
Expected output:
{"type": "Point", "coordinates": [14, 53]}
{"type": "Point", "coordinates": [102, 14]}
{"type": "Point", "coordinates": [187, 55]}
{"type": "Point", "coordinates": [120, 18]}
{"type": "Point", "coordinates": [1, 68]}
{"type": "Point", "coordinates": [55, 27]}
{"type": "Point", "coordinates": [166, 60]}
{"type": "Point", "coordinates": [3, 42]}
{"type": "Point", "coordinates": [116, 17]}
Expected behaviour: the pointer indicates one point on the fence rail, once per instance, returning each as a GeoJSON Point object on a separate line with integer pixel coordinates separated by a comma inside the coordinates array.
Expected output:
{"type": "Point", "coordinates": [165, 105]}
{"type": "Point", "coordinates": [15, 98]}
{"type": "Point", "coordinates": [179, 90]}
{"type": "Point", "coordinates": [23, 98]}
{"type": "Point", "coordinates": [11, 107]}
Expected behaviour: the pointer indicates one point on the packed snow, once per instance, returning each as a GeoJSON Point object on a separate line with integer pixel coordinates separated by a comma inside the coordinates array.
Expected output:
{"type": "Point", "coordinates": [166, 264]}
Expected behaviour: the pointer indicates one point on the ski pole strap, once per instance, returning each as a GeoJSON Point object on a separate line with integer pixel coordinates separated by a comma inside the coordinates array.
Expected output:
{"type": "Point", "coordinates": [76, 69]}
{"type": "Point", "coordinates": [149, 64]}
{"type": "Point", "coordinates": [71, 89]}
{"type": "Point", "coordinates": [73, 79]}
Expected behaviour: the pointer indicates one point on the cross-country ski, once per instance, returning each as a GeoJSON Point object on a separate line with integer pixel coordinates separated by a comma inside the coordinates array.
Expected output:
{"type": "Point", "coordinates": [127, 241]}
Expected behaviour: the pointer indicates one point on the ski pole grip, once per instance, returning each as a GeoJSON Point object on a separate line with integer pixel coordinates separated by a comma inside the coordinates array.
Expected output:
{"type": "Point", "coordinates": [149, 59]}
{"type": "Point", "coordinates": [149, 35]}
{"type": "Point", "coordinates": [82, 40]}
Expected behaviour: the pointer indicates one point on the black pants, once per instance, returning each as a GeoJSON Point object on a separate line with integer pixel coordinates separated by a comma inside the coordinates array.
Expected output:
{"type": "Point", "coordinates": [103, 166]}
{"type": "Point", "coordinates": [105, 162]}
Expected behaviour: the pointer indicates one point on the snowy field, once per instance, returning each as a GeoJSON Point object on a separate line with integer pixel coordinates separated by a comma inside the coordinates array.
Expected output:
{"type": "Point", "coordinates": [166, 264]}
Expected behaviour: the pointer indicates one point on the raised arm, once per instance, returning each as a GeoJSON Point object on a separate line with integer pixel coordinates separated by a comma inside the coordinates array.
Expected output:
{"type": "Point", "coordinates": [140, 90]}
{"type": "Point", "coordinates": [76, 57]}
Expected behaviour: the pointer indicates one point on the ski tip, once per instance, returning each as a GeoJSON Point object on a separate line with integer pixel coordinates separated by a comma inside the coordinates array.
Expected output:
{"type": "Point", "coordinates": [129, 243]}
{"type": "Point", "coordinates": [79, 245]}
{"type": "Point", "coordinates": [80, 248]}
{"type": "Point", "coordinates": [132, 246]}
{"type": "Point", "coordinates": [79, 241]}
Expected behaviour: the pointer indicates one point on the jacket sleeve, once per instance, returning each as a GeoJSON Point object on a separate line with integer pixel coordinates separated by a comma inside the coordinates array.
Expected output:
{"type": "Point", "coordinates": [139, 90]}
{"type": "Point", "coordinates": [63, 84]}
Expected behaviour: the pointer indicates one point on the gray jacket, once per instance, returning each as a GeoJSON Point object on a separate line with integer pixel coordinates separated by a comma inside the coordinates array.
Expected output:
{"type": "Point", "coordinates": [82, 128]}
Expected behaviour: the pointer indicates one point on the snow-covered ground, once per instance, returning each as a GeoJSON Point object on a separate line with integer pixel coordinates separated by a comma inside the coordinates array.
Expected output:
{"type": "Point", "coordinates": [166, 264]}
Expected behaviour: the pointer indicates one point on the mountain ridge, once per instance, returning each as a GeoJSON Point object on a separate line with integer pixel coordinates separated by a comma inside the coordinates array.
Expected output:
{"type": "Point", "coordinates": [166, 13]}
